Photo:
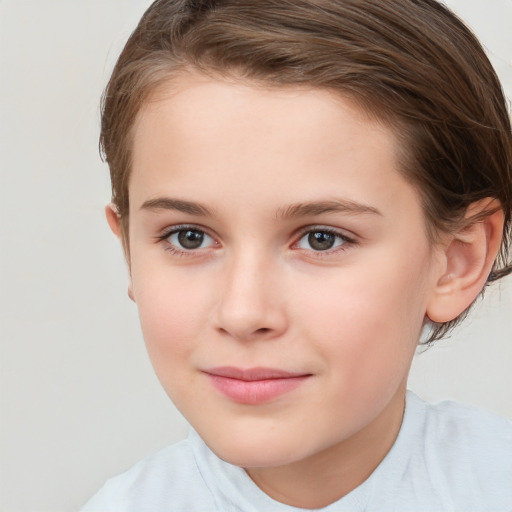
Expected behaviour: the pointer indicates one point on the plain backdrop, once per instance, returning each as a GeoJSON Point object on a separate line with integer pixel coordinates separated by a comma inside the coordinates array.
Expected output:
{"type": "Point", "coordinates": [79, 401]}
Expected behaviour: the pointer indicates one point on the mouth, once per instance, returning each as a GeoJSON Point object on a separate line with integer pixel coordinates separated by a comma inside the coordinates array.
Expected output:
{"type": "Point", "coordinates": [254, 386]}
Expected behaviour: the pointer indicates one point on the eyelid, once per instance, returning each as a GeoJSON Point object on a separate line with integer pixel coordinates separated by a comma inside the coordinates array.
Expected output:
{"type": "Point", "coordinates": [327, 229]}
{"type": "Point", "coordinates": [349, 240]}
{"type": "Point", "coordinates": [171, 230]}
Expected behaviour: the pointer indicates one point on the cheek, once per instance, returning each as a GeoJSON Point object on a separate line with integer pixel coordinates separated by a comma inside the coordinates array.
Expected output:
{"type": "Point", "coordinates": [172, 310]}
{"type": "Point", "coordinates": [366, 322]}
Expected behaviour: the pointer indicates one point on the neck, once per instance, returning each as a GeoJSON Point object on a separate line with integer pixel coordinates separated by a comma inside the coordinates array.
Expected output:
{"type": "Point", "coordinates": [327, 476]}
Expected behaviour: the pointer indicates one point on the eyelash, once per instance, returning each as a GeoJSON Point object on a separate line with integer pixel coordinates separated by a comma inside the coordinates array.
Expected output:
{"type": "Point", "coordinates": [347, 242]}
{"type": "Point", "coordinates": [163, 238]}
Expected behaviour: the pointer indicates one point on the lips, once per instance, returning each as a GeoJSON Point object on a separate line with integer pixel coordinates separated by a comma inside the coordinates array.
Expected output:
{"type": "Point", "coordinates": [254, 385]}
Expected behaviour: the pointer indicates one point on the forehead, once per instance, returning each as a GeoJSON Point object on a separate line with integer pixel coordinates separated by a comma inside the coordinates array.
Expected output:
{"type": "Point", "coordinates": [242, 142]}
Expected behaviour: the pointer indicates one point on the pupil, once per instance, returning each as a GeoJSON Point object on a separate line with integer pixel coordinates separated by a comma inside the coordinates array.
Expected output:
{"type": "Point", "coordinates": [190, 239]}
{"type": "Point", "coordinates": [321, 241]}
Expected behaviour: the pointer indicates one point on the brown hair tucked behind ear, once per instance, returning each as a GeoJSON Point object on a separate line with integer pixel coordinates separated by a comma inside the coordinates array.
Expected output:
{"type": "Point", "coordinates": [411, 63]}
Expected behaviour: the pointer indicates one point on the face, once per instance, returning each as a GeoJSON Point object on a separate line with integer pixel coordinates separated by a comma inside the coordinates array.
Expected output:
{"type": "Point", "coordinates": [280, 266]}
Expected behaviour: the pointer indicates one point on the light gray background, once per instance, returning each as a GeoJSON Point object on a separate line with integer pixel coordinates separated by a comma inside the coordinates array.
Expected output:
{"type": "Point", "coordinates": [79, 400]}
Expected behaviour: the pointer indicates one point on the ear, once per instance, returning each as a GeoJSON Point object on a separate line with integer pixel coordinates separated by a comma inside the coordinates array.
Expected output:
{"type": "Point", "coordinates": [467, 260]}
{"type": "Point", "coordinates": [115, 225]}
{"type": "Point", "coordinates": [113, 220]}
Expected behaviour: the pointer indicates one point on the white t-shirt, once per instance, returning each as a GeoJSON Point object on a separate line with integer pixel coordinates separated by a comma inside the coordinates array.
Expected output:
{"type": "Point", "coordinates": [448, 457]}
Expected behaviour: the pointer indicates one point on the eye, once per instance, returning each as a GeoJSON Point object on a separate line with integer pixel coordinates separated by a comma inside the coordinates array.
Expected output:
{"type": "Point", "coordinates": [189, 239]}
{"type": "Point", "coordinates": [322, 240]}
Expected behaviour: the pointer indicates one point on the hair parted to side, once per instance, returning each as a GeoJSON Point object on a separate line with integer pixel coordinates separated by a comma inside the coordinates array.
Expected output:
{"type": "Point", "coordinates": [410, 63]}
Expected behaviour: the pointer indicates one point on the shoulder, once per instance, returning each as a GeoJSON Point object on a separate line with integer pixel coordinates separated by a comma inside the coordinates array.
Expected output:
{"type": "Point", "coordinates": [467, 452]}
{"type": "Point", "coordinates": [170, 476]}
{"type": "Point", "coordinates": [465, 428]}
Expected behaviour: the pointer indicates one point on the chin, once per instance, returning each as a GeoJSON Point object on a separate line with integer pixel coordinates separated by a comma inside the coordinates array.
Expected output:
{"type": "Point", "coordinates": [253, 457]}
{"type": "Point", "coordinates": [250, 451]}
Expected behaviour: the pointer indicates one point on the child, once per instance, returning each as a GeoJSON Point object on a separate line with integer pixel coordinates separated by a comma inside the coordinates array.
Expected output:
{"type": "Point", "coordinates": [303, 187]}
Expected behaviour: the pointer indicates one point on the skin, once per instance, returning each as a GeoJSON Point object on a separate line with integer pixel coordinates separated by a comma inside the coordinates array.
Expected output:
{"type": "Point", "coordinates": [257, 294]}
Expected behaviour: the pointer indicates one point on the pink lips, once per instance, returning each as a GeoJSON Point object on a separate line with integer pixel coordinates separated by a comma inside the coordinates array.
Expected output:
{"type": "Point", "coordinates": [255, 385]}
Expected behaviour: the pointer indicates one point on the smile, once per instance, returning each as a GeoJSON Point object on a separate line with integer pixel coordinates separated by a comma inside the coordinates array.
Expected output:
{"type": "Point", "coordinates": [255, 385]}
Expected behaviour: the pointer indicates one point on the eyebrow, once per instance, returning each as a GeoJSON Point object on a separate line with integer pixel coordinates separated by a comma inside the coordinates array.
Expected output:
{"type": "Point", "coordinates": [167, 203]}
{"type": "Point", "coordinates": [320, 207]}
{"type": "Point", "coordinates": [296, 210]}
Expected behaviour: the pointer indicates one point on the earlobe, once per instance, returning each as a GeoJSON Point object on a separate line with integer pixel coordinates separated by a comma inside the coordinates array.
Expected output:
{"type": "Point", "coordinates": [130, 290]}
{"type": "Point", "coordinates": [468, 260]}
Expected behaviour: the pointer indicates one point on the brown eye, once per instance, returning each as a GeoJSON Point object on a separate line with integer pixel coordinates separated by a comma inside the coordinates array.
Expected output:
{"type": "Point", "coordinates": [320, 240]}
{"type": "Point", "coordinates": [188, 239]}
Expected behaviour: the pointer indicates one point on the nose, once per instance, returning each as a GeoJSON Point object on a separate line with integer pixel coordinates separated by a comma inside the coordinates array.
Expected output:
{"type": "Point", "coordinates": [252, 306]}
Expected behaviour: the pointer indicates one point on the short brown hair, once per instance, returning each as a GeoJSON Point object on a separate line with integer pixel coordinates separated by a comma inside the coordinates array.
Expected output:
{"type": "Point", "coordinates": [411, 63]}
